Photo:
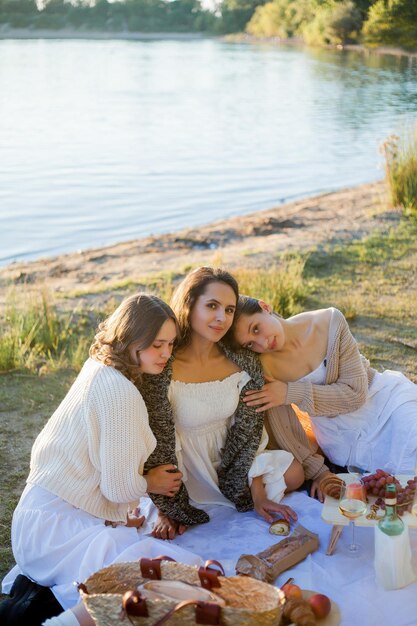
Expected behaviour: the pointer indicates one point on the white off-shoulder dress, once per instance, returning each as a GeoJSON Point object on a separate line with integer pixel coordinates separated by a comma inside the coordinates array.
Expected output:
{"type": "Point", "coordinates": [203, 414]}
{"type": "Point", "coordinates": [382, 433]}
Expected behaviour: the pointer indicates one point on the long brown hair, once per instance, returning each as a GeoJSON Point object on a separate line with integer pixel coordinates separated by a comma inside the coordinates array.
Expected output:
{"type": "Point", "coordinates": [137, 318]}
{"type": "Point", "coordinates": [190, 289]}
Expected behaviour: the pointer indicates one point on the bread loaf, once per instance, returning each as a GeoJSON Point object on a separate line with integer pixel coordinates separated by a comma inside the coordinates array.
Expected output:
{"type": "Point", "coordinates": [267, 565]}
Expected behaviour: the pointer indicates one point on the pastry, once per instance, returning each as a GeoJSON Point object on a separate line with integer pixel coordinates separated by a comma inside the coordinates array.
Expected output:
{"type": "Point", "coordinates": [331, 485]}
{"type": "Point", "coordinates": [280, 527]}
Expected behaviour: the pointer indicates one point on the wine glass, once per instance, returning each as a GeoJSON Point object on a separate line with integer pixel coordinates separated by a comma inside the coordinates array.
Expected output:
{"type": "Point", "coordinates": [352, 504]}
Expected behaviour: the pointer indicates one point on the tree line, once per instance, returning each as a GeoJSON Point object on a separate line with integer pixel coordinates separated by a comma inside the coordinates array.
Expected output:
{"type": "Point", "coordinates": [316, 22]}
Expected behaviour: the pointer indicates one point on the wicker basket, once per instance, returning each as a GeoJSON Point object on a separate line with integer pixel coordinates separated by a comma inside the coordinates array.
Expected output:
{"type": "Point", "coordinates": [110, 597]}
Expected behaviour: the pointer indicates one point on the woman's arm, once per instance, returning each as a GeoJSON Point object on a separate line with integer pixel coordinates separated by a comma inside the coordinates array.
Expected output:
{"type": "Point", "coordinates": [349, 390]}
{"type": "Point", "coordinates": [120, 439]}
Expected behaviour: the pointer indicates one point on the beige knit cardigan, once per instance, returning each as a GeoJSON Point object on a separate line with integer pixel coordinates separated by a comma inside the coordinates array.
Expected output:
{"type": "Point", "coordinates": [348, 376]}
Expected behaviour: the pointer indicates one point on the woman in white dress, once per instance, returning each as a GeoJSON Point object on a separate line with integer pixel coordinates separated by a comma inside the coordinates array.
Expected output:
{"type": "Point", "coordinates": [359, 416]}
{"type": "Point", "coordinates": [204, 393]}
{"type": "Point", "coordinates": [86, 468]}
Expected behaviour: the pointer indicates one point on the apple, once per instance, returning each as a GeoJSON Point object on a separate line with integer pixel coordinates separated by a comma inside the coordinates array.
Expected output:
{"type": "Point", "coordinates": [320, 605]}
{"type": "Point", "coordinates": [292, 591]}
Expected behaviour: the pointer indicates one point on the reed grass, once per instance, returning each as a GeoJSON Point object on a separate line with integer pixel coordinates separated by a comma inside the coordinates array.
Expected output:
{"type": "Point", "coordinates": [40, 337]}
{"type": "Point", "coordinates": [400, 153]}
{"type": "Point", "coordinates": [283, 285]}
{"type": "Point", "coordinates": [36, 336]}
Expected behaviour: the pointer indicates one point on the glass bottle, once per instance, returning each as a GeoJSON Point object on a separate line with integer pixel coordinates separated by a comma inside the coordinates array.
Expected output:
{"type": "Point", "coordinates": [393, 565]}
{"type": "Point", "coordinates": [391, 524]}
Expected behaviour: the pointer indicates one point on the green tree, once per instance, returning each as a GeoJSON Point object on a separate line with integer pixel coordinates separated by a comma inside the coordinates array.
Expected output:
{"type": "Point", "coordinates": [335, 22]}
{"type": "Point", "coordinates": [392, 22]}
{"type": "Point", "coordinates": [280, 18]}
{"type": "Point", "coordinates": [235, 14]}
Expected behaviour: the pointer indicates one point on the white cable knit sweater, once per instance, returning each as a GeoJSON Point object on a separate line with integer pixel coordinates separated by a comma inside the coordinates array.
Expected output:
{"type": "Point", "coordinates": [92, 451]}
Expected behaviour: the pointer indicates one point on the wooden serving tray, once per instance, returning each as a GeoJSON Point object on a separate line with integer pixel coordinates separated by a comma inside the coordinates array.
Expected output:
{"type": "Point", "coordinates": [331, 514]}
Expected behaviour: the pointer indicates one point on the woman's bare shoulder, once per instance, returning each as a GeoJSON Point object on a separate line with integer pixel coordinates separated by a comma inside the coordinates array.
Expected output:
{"type": "Point", "coordinates": [318, 316]}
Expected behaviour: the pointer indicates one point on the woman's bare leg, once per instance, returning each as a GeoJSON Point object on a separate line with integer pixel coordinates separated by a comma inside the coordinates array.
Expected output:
{"type": "Point", "coordinates": [294, 476]}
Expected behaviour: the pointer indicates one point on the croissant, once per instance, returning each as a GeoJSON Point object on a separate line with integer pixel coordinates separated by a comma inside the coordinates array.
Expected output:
{"type": "Point", "coordinates": [331, 485]}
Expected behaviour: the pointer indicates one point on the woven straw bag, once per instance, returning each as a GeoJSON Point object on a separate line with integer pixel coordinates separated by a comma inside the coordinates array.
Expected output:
{"type": "Point", "coordinates": [111, 597]}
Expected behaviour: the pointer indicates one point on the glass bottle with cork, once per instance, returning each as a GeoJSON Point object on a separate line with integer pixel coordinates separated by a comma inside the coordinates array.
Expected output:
{"type": "Point", "coordinates": [392, 546]}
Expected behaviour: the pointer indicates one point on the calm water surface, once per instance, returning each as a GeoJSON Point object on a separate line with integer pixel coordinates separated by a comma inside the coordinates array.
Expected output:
{"type": "Point", "coordinates": [103, 141]}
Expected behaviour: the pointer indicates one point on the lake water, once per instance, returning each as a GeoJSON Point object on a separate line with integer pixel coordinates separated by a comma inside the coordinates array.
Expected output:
{"type": "Point", "coordinates": [104, 141]}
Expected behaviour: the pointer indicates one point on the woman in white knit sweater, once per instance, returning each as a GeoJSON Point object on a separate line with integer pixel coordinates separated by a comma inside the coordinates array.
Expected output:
{"type": "Point", "coordinates": [359, 416]}
{"type": "Point", "coordinates": [86, 468]}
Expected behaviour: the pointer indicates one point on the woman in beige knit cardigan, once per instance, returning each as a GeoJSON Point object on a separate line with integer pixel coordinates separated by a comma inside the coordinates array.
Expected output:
{"type": "Point", "coordinates": [311, 360]}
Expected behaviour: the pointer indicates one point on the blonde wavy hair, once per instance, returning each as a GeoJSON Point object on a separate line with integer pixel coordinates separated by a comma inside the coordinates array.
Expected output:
{"type": "Point", "coordinates": [137, 318]}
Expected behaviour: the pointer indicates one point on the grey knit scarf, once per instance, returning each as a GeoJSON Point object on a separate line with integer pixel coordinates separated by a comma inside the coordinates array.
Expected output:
{"type": "Point", "coordinates": [241, 444]}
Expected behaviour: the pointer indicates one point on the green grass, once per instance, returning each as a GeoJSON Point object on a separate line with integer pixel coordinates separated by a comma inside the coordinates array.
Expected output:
{"type": "Point", "coordinates": [27, 401]}
{"type": "Point", "coordinates": [374, 283]}
{"type": "Point", "coordinates": [283, 285]}
{"type": "Point", "coordinates": [400, 155]}
{"type": "Point", "coordinates": [35, 334]}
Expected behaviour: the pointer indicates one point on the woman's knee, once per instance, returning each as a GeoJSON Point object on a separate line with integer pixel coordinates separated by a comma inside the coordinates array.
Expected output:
{"type": "Point", "coordinates": [294, 476]}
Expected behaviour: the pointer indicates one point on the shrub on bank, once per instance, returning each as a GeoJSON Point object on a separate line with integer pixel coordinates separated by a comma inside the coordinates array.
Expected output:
{"type": "Point", "coordinates": [392, 23]}
{"type": "Point", "coordinates": [280, 18]}
{"type": "Point", "coordinates": [335, 22]}
{"type": "Point", "coordinates": [400, 155]}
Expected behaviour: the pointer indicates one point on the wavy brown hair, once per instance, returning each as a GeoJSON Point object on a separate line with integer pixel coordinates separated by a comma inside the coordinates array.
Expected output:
{"type": "Point", "coordinates": [137, 318]}
{"type": "Point", "coordinates": [188, 291]}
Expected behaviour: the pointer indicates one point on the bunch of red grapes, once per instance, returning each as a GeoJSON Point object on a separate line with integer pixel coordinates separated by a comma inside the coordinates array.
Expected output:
{"type": "Point", "coordinates": [375, 486]}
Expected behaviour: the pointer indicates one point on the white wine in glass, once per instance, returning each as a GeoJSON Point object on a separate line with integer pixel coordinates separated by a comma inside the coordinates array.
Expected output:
{"type": "Point", "coordinates": [352, 504]}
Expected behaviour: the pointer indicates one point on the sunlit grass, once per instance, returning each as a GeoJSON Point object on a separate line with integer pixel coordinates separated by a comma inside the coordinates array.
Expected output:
{"type": "Point", "coordinates": [40, 337]}
{"type": "Point", "coordinates": [374, 283]}
{"type": "Point", "coordinates": [400, 155]}
{"type": "Point", "coordinates": [36, 336]}
{"type": "Point", "coordinates": [282, 286]}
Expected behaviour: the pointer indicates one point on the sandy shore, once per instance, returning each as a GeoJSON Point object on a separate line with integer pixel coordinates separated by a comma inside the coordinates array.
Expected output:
{"type": "Point", "coordinates": [251, 241]}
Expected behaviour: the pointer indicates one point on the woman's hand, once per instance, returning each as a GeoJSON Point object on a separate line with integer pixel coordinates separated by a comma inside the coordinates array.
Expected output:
{"type": "Point", "coordinates": [315, 490]}
{"type": "Point", "coordinates": [134, 519]}
{"type": "Point", "coordinates": [273, 393]}
{"type": "Point", "coordinates": [167, 528]}
{"type": "Point", "coordinates": [164, 479]}
{"type": "Point", "coordinates": [265, 507]}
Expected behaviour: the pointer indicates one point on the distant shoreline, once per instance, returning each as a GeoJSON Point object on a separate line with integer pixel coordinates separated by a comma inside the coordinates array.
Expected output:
{"type": "Point", "coordinates": [297, 41]}
{"type": "Point", "coordinates": [94, 35]}
{"type": "Point", "coordinates": [70, 33]}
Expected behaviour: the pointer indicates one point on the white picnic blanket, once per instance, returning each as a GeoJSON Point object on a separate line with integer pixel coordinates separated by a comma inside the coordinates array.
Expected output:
{"type": "Point", "coordinates": [350, 582]}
